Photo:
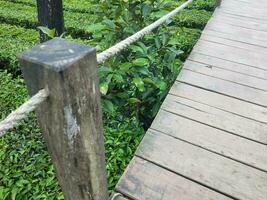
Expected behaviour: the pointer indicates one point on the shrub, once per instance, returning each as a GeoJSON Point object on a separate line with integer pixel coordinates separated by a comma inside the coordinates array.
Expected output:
{"type": "Point", "coordinates": [77, 24]}
{"type": "Point", "coordinates": [192, 18]}
{"type": "Point", "coordinates": [25, 166]}
{"type": "Point", "coordinates": [26, 171]}
{"type": "Point", "coordinates": [13, 40]}
{"type": "Point", "coordinates": [207, 5]}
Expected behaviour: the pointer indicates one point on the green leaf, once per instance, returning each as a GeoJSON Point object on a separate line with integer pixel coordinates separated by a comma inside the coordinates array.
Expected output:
{"type": "Point", "coordinates": [148, 81]}
{"type": "Point", "coordinates": [125, 66]}
{"type": "Point", "coordinates": [14, 193]}
{"type": "Point", "coordinates": [161, 85]}
{"type": "Point", "coordinates": [118, 78]}
{"type": "Point", "coordinates": [139, 84]}
{"type": "Point", "coordinates": [157, 42]}
{"type": "Point", "coordinates": [134, 100]}
{"type": "Point", "coordinates": [97, 27]}
{"type": "Point", "coordinates": [110, 23]}
{"type": "Point", "coordinates": [141, 62]}
{"type": "Point", "coordinates": [146, 10]}
{"type": "Point", "coordinates": [108, 106]}
{"type": "Point", "coordinates": [103, 70]}
{"type": "Point", "coordinates": [137, 49]}
{"type": "Point", "coordinates": [49, 32]}
{"type": "Point", "coordinates": [104, 88]}
{"type": "Point", "coordinates": [143, 70]}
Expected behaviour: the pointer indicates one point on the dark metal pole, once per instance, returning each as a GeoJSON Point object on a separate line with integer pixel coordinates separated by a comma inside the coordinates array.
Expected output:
{"type": "Point", "coordinates": [50, 15]}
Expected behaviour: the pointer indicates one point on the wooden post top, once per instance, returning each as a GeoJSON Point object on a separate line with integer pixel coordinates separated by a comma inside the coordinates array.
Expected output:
{"type": "Point", "coordinates": [57, 54]}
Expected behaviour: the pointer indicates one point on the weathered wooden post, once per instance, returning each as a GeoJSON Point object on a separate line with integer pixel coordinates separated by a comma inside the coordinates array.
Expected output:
{"type": "Point", "coordinates": [50, 14]}
{"type": "Point", "coordinates": [71, 118]}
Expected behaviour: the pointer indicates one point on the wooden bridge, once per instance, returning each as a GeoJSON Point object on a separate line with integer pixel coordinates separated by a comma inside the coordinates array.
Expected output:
{"type": "Point", "coordinates": [209, 139]}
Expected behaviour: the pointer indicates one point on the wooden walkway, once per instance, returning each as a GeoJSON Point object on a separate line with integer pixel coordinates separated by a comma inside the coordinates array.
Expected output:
{"type": "Point", "coordinates": [208, 142]}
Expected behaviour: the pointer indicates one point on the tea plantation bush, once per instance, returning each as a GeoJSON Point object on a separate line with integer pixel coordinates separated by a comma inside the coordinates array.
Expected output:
{"type": "Point", "coordinates": [133, 84]}
{"type": "Point", "coordinates": [26, 171]}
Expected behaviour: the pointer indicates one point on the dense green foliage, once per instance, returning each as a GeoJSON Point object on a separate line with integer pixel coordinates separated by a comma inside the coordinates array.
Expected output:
{"type": "Point", "coordinates": [26, 171]}
{"type": "Point", "coordinates": [133, 84]}
{"type": "Point", "coordinates": [14, 39]}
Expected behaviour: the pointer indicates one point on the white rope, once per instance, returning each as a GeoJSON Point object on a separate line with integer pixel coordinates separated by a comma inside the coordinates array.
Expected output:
{"type": "Point", "coordinates": [102, 57]}
{"type": "Point", "coordinates": [21, 113]}
{"type": "Point", "coordinates": [114, 197]}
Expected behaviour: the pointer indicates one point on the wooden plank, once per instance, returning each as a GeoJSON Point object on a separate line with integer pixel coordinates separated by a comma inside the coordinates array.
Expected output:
{"type": "Point", "coordinates": [223, 18]}
{"type": "Point", "coordinates": [144, 180]}
{"type": "Point", "coordinates": [215, 140]}
{"type": "Point", "coordinates": [217, 118]}
{"type": "Point", "coordinates": [244, 14]}
{"type": "Point", "coordinates": [246, 11]}
{"type": "Point", "coordinates": [242, 56]}
{"type": "Point", "coordinates": [224, 87]}
{"type": "Point", "coordinates": [239, 34]}
{"type": "Point", "coordinates": [235, 30]}
{"type": "Point", "coordinates": [231, 66]}
{"type": "Point", "coordinates": [210, 169]}
{"type": "Point", "coordinates": [220, 12]}
{"type": "Point", "coordinates": [241, 3]}
{"type": "Point", "coordinates": [224, 74]}
{"type": "Point", "coordinates": [234, 41]}
{"type": "Point", "coordinates": [222, 102]}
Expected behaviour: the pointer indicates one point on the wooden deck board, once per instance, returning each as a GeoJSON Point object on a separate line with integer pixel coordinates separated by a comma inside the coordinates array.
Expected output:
{"type": "Point", "coordinates": [144, 180]}
{"type": "Point", "coordinates": [224, 87]}
{"type": "Point", "coordinates": [220, 102]}
{"type": "Point", "coordinates": [228, 65]}
{"type": "Point", "coordinates": [216, 118]}
{"type": "Point", "coordinates": [215, 140]}
{"type": "Point", "coordinates": [209, 139]}
{"type": "Point", "coordinates": [234, 54]}
{"type": "Point", "coordinates": [213, 171]}
{"type": "Point", "coordinates": [239, 42]}
{"type": "Point", "coordinates": [234, 77]}
{"type": "Point", "coordinates": [258, 38]}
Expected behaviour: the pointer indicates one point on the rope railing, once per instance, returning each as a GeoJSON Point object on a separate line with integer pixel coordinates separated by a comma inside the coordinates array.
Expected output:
{"type": "Point", "coordinates": [29, 106]}
{"type": "Point", "coordinates": [102, 57]}
{"type": "Point", "coordinates": [21, 113]}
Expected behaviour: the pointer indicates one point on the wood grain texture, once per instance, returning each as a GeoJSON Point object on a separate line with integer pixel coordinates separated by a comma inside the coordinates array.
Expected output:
{"type": "Point", "coordinates": [225, 87]}
{"type": "Point", "coordinates": [215, 140]}
{"type": "Point", "coordinates": [242, 56]}
{"type": "Point", "coordinates": [144, 180]}
{"type": "Point", "coordinates": [235, 30]}
{"type": "Point", "coordinates": [71, 118]}
{"type": "Point", "coordinates": [224, 74]}
{"type": "Point", "coordinates": [228, 65]}
{"type": "Point", "coordinates": [223, 174]}
{"type": "Point", "coordinates": [235, 41]}
{"type": "Point", "coordinates": [221, 102]}
{"type": "Point", "coordinates": [223, 18]}
{"type": "Point", "coordinates": [216, 118]}
{"type": "Point", "coordinates": [248, 11]}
